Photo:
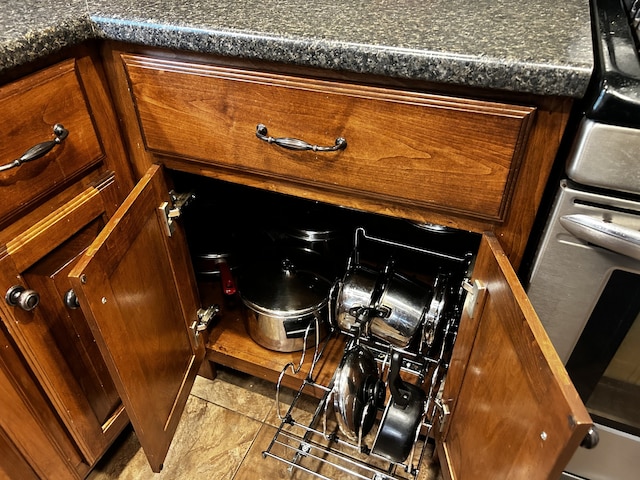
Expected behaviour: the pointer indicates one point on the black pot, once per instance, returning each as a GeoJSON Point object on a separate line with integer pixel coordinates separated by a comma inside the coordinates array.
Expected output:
{"type": "Point", "coordinates": [402, 418]}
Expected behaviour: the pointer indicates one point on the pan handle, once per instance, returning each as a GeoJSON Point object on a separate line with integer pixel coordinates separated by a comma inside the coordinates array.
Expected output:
{"type": "Point", "coordinates": [228, 282]}
{"type": "Point", "coordinates": [400, 395]}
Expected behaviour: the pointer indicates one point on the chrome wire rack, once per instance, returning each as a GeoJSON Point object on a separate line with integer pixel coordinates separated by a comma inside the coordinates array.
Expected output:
{"type": "Point", "coordinates": [308, 437]}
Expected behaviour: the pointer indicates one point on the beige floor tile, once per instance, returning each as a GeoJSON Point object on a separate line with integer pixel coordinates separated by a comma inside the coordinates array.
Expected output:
{"type": "Point", "coordinates": [210, 443]}
{"type": "Point", "coordinates": [237, 391]}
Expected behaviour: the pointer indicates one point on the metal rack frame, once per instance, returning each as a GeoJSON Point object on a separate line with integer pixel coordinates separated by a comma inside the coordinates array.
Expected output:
{"type": "Point", "coordinates": [296, 443]}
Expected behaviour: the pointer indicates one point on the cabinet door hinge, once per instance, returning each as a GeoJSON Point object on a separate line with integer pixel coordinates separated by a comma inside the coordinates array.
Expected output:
{"type": "Point", "coordinates": [475, 296]}
{"type": "Point", "coordinates": [443, 416]}
{"type": "Point", "coordinates": [173, 209]}
{"type": "Point", "coordinates": [205, 316]}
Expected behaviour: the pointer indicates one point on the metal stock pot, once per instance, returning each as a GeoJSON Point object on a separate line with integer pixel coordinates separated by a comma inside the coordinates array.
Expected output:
{"type": "Point", "coordinates": [283, 305]}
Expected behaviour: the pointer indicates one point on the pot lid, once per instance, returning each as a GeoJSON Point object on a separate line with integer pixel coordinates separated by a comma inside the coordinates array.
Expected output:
{"type": "Point", "coordinates": [283, 289]}
{"type": "Point", "coordinates": [357, 392]}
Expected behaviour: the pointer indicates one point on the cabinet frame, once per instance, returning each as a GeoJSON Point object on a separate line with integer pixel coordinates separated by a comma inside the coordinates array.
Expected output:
{"type": "Point", "coordinates": [102, 278]}
{"type": "Point", "coordinates": [526, 186]}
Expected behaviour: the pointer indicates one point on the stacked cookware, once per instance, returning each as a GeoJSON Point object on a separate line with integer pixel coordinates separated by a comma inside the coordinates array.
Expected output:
{"type": "Point", "coordinates": [387, 316]}
{"type": "Point", "coordinates": [398, 328]}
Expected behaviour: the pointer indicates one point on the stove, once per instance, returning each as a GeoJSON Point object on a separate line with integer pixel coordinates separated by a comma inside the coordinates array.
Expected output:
{"type": "Point", "coordinates": [605, 154]}
{"type": "Point", "coordinates": [585, 278]}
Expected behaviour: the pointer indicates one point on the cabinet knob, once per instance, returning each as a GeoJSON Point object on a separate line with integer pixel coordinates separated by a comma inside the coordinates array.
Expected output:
{"type": "Point", "coordinates": [591, 439]}
{"type": "Point", "coordinates": [70, 299]}
{"type": "Point", "coordinates": [18, 296]}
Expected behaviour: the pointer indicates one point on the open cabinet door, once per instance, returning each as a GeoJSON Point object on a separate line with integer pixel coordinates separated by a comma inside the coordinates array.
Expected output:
{"type": "Point", "coordinates": [514, 413]}
{"type": "Point", "coordinates": [137, 289]}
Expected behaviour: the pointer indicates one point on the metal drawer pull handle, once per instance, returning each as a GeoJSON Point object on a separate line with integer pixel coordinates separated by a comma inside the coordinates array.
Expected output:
{"type": "Point", "coordinates": [296, 144]}
{"type": "Point", "coordinates": [39, 150]}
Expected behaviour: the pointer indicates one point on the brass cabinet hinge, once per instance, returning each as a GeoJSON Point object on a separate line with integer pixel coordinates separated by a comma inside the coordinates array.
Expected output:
{"type": "Point", "coordinates": [173, 209]}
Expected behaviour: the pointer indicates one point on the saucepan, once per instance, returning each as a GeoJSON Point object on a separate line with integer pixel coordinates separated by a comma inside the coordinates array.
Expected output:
{"type": "Point", "coordinates": [402, 418]}
{"type": "Point", "coordinates": [399, 310]}
{"type": "Point", "coordinates": [356, 294]}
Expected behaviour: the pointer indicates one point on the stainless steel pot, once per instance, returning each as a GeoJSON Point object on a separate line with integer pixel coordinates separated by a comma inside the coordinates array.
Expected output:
{"type": "Point", "coordinates": [399, 311]}
{"type": "Point", "coordinates": [282, 304]}
{"type": "Point", "coordinates": [356, 294]}
{"type": "Point", "coordinates": [433, 326]}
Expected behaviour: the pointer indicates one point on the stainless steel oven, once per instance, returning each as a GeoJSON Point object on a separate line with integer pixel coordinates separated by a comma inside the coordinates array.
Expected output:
{"type": "Point", "coordinates": [586, 289]}
{"type": "Point", "coordinates": [585, 278]}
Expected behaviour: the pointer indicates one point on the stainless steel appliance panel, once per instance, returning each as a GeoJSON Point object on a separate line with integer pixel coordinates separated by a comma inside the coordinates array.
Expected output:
{"type": "Point", "coordinates": [571, 285]}
{"type": "Point", "coordinates": [606, 156]}
{"type": "Point", "coordinates": [569, 273]}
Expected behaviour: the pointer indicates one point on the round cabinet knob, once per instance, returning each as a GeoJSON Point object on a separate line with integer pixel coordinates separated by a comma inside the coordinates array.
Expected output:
{"type": "Point", "coordinates": [591, 439]}
{"type": "Point", "coordinates": [70, 299]}
{"type": "Point", "coordinates": [18, 296]}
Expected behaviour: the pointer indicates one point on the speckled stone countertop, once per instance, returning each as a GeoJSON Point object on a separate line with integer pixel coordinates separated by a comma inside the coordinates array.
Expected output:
{"type": "Point", "coordinates": [539, 46]}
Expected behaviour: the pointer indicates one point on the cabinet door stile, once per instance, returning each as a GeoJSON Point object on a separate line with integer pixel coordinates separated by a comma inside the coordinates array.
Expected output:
{"type": "Point", "coordinates": [138, 291]}
{"type": "Point", "coordinates": [517, 414]}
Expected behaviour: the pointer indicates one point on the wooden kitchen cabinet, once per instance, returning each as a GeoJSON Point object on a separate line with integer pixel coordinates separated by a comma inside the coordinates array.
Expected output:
{"type": "Point", "coordinates": [54, 203]}
{"type": "Point", "coordinates": [137, 287]}
{"type": "Point", "coordinates": [505, 366]}
{"type": "Point", "coordinates": [467, 161]}
{"type": "Point", "coordinates": [33, 442]}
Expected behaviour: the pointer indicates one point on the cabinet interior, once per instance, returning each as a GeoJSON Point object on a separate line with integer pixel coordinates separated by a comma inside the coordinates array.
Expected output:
{"type": "Point", "coordinates": [251, 229]}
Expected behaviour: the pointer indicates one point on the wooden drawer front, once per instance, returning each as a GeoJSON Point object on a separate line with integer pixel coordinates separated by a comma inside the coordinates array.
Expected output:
{"type": "Point", "coordinates": [404, 147]}
{"type": "Point", "coordinates": [30, 108]}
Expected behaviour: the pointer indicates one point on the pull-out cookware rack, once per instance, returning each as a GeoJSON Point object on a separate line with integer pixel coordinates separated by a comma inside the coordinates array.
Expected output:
{"type": "Point", "coordinates": [308, 439]}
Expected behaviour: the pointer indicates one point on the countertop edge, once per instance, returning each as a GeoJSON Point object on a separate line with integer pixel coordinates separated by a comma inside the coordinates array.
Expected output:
{"type": "Point", "coordinates": [545, 79]}
{"type": "Point", "coordinates": [540, 79]}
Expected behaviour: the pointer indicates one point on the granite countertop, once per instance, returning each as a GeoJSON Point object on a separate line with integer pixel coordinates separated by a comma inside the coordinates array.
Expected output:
{"type": "Point", "coordinates": [541, 46]}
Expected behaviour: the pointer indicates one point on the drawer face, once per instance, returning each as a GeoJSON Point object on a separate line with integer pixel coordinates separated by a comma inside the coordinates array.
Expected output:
{"type": "Point", "coordinates": [30, 108]}
{"type": "Point", "coordinates": [415, 149]}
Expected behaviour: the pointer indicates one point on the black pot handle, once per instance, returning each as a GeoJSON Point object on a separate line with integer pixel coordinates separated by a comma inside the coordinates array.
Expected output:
{"type": "Point", "coordinates": [399, 392]}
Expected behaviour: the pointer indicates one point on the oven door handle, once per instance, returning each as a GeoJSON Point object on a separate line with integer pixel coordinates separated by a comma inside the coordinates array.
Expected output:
{"type": "Point", "coordinates": [622, 240]}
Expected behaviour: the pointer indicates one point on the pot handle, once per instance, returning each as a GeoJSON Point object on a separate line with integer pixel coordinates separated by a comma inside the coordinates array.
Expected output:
{"type": "Point", "coordinates": [228, 283]}
{"type": "Point", "coordinates": [400, 394]}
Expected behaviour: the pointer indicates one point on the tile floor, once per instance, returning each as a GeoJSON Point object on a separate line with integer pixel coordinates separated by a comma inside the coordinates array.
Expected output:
{"type": "Point", "coordinates": [227, 424]}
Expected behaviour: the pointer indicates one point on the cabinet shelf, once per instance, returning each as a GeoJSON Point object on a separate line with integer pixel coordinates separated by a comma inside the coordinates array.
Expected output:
{"type": "Point", "coordinates": [231, 346]}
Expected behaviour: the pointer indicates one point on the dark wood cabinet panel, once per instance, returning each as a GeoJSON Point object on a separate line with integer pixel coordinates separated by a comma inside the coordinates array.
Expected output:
{"type": "Point", "coordinates": [55, 339]}
{"type": "Point", "coordinates": [137, 287]}
{"type": "Point", "coordinates": [401, 146]}
{"type": "Point", "coordinates": [29, 429]}
{"type": "Point", "coordinates": [513, 410]}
